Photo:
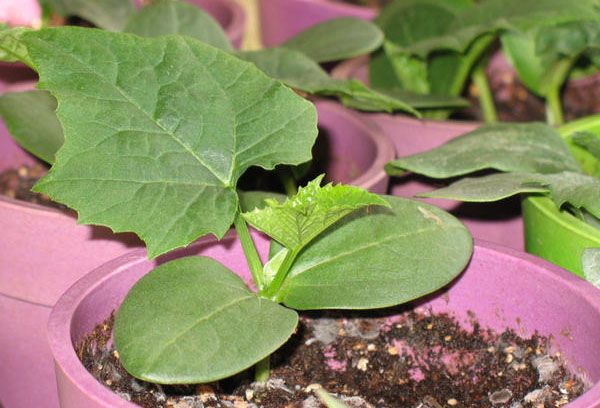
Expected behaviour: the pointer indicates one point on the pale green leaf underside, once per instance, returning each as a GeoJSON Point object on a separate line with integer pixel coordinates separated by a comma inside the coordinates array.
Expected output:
{"type": "Point", "coordinates": [527, 148]}
{"type": "Point", "coordinates": [31, 120]}
{"type": "Point", "coordinates": [337, 39]}
{"type": "Point", "coordinates": [109, 14]}
{"type": "Point", "coordinates": [165, 17]}
{"type": "Point", "coordinates": [590, 261]}
{"type": "Point", "coordinates": [312, 210]}
{"type": "Point", "coordinates": [575, 189]}
{"type": "Point", "coordinates": [158, 131]}
{"type": "Point", "coordinates": [385, 258]}
{"type": "Point", "coordinates": [194, 321]}
{"type": "Point", "coordinates": [299, 71]}
{"type": "Point", "coordinates": [494, 15]}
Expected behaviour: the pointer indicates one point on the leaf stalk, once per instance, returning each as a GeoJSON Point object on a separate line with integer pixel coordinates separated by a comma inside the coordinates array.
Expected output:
{"type": "Point", "coordinates": [486, 100]}
{"type": "Point", "coordinates": [254, 262]}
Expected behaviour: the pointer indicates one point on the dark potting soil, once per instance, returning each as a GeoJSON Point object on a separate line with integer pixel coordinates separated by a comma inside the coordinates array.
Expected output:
{"type": "Point", "coordinates": [17, 183]}
{"type": "Point", "coordinates": [412, 360]}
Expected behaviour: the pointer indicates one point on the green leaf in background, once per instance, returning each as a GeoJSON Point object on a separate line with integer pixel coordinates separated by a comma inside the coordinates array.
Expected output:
{"type": "Point", "coordinates": [337, 39]}
{"type": "Point", "coordinates": [493, 15]}
{"type": "Point", "coordinates": [163, 17]}
{"type": "Point", "coordinates": [11, 48]}
{"type": "Point", "coordinates": [431, 101]}
{"type": "Point", "coordinates": [589, 141]}
{"type": "Point", "coordinates": [527, 148]}
{"type": "Point", "coordinates": [590, 261]}
{"type": "Point", "coordinates": [159, 130]}
{"type": "Point", "coordinates": [301, 218]}
{"type": "Point", "coordinates": [492, 187]}
{"type": "Point", "coordinates": [108, 14]}
{"type": "Point", "coordinates": [31, 119]}
{"type": "Point", "coordinates": [568, 40]}
{"type": "Point", "coordinates": [519, 48]}
{"type": "Point", "coordinates": [194, 321]}
{"type": "Point", "coordinates": [300, 72]}
{"type": "Point", "coordinates": [364, 261]}
{"type": "Point", "coordinates": [249, 200]}
{"type": "Point", "coordinates": [575, 189]}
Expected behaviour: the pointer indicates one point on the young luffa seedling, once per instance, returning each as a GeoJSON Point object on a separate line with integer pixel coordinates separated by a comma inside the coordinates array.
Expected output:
{"type": "Point", "coordinates": [157, 133]}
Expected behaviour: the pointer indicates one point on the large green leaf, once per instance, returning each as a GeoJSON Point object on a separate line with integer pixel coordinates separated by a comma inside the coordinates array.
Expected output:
{"type": "Point", "coordinates": [31, 119]}
{"type": "Point", "coordinates": [576, 189]}
{"type": "Point", "coordinates": [109, 14]}
{"type": "Point", "coordinates": [158, 131]}
{"type": "Point", "coordinates": [11, 47]}
{"type": "Point", "coordinates": [527, 148]}
{"type": "Point", "coordinates": [299, 71]}
{"type": "Point", "coordinates": [193, 321]}
{"type": "Point", "coordinates": [337, 39]}
{"type": "Point", "coordinates": [589, 141]}
{"type": "Point", "coordinates": [493, 15]}
{"type": "Point", "coordinates": [163, 17]}
{"type": "Point", "coordinates": [379, 257]}
{"type": "Point", "coordinates": [311, 211]}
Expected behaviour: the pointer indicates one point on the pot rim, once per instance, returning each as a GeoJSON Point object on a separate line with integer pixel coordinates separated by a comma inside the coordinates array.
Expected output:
{"type": "Point", "coordinates": [60, 321]}
{"type": "Point", "coordinates": [237, 26]}
{"type": "Point", "coordinates": [385, 150]}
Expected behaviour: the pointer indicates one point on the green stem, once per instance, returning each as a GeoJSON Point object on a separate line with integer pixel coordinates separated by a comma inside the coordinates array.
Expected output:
{"type": "Point", "coordinates": [486, 100]}
{"type": "Point", "coordinates": [256, 266]}
{"type": "Point", "coordinates": [262, 370]}
{"type": "Point", "coordinates": [287, 179]}
{"type": "Point", "coordinates": [554, 111]}
{"type": "Point", "coordinates": [272, 290]}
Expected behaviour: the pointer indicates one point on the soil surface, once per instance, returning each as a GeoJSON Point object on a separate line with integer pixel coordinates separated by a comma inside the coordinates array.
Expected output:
{"type": "Point", "coordinates": [17, 184]}
{"type": "Point", "coordinates": [412, 360]}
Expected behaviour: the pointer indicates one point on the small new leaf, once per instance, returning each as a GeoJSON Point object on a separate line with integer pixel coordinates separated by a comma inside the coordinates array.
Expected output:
{"type": "Point", "coordinates": [329, 400]}
{"type": "Point", "coordinates": [304, 216]}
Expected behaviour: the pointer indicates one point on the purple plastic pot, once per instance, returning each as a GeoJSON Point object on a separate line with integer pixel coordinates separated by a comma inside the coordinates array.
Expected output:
{"type": "Point", "coordinates": [503, 287]}
{"type": "Point", "coordinates": [229, 14]}
{"type": "Point", "coordinates": [282, 19]}
{"type": "Point", "coordinates": [357, 148]}
{"type": "Point", "coordinates": [500, 223]}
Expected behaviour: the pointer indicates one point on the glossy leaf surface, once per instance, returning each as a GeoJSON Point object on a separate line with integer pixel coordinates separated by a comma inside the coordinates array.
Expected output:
{"type": "Point", "coordinates": [160, 130]}
{"type": "Point", "coordinates": [194, 321]}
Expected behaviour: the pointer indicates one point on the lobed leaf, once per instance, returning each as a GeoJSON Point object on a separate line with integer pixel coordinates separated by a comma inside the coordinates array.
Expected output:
{"type": "Point", "coordinates": [526, 148]}
{"type": "Point", "coordinates": [301, 218]}
{"type": "Point", "coordinates": [385, 258]}
{"type": "Point", "coordinates": [194, 321]}
{"type": "Point", "coordinates": [300, 72]}
{"type": "Point", "coordinates": [31, 120]}
{"type": "Point", "coordinates": [159, 130]}
{"type": "Point", "coordinates": [108, 14]}
{"type": "Point", "coordinates": [164, 17]}
{"type": "Point", "coordinates": [337, 39]}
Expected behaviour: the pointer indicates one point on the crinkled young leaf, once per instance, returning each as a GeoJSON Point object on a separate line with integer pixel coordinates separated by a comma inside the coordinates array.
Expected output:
{"type": "Point", "coordinates": [493, 15]}
{"type": "Point", "coordinates": [249, 200]}
{"type": "Point", "coordinates": [194, 321]}
{"type": "Point", "coordinates": [163, 17]}
{"type": "Point", "coordinates": [109, 14]}
{"type": "Point", "coordinates": [576, 189]}
{"type": "Point", "coordinates": [527, 148]}
{"type": "Point", "coordinates": [299, 71]}
{"type": "Point", "coordinates": [566, 40]}
{"type": "Point", "coordinates": [337, 39]}
{"type": "Point", "coordinates": [589, 141]}
{"type": "Point", "coordinates": [378, 257]}
{"type": "Point", "coordinates": [158, 131]}
{"type": "Point", "coordinates": [311, 211]}
{"type": "Point", "coordinates": [31, 119]}
{"type": "Point", "coordinates": [590, 261]}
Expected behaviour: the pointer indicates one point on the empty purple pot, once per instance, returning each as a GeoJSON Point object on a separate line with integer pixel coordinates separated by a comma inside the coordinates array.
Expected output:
{"type": "Point", "coordinates": [500, 223]}
{"type": "Point", "coordinates": [503, 287]}
{"type": "Point", "coordinates": [230, 15]}
{"type": "Point", "coordinates": [282, 19]}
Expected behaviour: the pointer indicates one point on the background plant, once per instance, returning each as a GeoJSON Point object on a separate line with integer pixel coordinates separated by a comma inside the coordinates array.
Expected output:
{"type": "Point", "coordinates": [157, 133]}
